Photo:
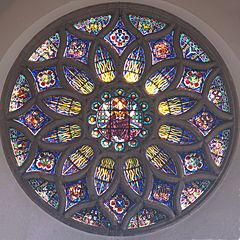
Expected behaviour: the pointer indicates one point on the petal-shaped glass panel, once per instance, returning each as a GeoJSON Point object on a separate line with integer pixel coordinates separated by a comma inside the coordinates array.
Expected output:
{"type": "Point", "coordinates": [193, 162]}
{"type": "Point", "coordinates": [104, 65]}
{"type": "Point", "coordinates": [191, 50]}
{"type": "Point", "coordinates": [104, 175]}
{"type": "Point", "coordinates": [175, 105]}
{"type": "Point", "coordinates": [218, 146]}
{"type": "Point", "coordinates": [35, 119]}
{"type": "Point", "coordinates": [76, 193]}
{"type": "Point", "coordinates": [78, 160]}
{"type": "Point", "coordinates": [146, 217]}
{"type": "Point", "coordinates": [77, 49]}
{"type": "Point", "coordinates": [21, 94]}
{"type": "Point", "coordinates": [63, 105]}
{"type": "Point", "coordinates": [94, 24]}
{"type": "Point", "coordinates": [192, 192]}
{"type": "Point", "coordinates": [193, 79]}
{"type": "Point", "coordinates": [134, 174]}
{"type": "Point", "coordinates": [20, 145]}
{"type": "Point", "coordinates": [134, 65]}
{"type": "Point", "coordinates": [63, 134]}
{"type": "Point", "coordinates": [47, 50]}
{"type": "Point", "coordinates": [205, 121]}
{"type": "Point", "coordinates": [218, 95]}
{"type": "Point", "coordinates": [79, 80]}
{"type": "Point", "coordinates": [160, 159]}
{"type": "Point", "coordinates": [45, 161]}
{"type": "Point", "coordinates": [93, 217]}
{"type": "Point", "coordinates": [162, 192]}
{"type": "Point", "coordinates": [46, 78]}
{"type": "Point", "coordinates": [160, 80]}
{"type": "Point", "coordinates": [162, 49]}
{"type": "Point", "coordinates": [46, 190]}
{"type": "Point", "coordinates": [174, 134]}
{"type": "Point", "coordinates": [120, 37]}
{"type": "Point", "coordinates": [146, 25]}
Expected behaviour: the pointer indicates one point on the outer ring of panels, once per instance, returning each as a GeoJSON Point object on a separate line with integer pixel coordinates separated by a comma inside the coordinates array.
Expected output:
{"type": "Point", "coordinates": [64, 24]}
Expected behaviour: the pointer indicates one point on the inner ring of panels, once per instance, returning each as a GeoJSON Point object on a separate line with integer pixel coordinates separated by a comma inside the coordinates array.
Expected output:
{"type": "Point", "coordinates": [117, 119]}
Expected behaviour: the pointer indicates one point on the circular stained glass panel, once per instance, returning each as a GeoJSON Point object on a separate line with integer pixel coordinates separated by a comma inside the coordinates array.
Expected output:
{"type": "Point", "coordinates": [117, 119]}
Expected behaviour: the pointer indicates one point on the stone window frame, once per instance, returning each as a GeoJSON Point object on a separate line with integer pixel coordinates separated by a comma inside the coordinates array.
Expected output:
{"type": "Point", "coordinates": [115, 9]}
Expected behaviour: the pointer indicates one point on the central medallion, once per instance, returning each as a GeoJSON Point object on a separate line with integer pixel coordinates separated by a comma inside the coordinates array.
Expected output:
{"type": "Point", "coordinates": [119, 119]}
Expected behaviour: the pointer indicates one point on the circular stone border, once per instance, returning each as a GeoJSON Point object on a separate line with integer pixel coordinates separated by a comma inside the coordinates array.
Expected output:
{"type": "Point", "coordinates": [84, 13]}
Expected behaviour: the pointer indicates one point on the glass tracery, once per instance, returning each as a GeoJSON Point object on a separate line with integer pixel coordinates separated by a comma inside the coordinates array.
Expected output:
{"type": "Point", "coordinates": [127, 113]}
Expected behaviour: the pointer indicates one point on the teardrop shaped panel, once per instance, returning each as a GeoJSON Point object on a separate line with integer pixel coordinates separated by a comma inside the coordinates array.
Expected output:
{"type": "Point", "coordinates": [79, 80]}
{"type": "Point", "coordinates": [218, 95]}
{"type": "Point", "coordinates": [174, 134]}
{"type": "Point", "coordinates": [192, 192]}
{"type": "Point", "coordinates": [47, 50]}
{"type": "Point", "coordinates": [191, 50]}
{"type": "Point", "coordinates": [146, 25]}
{"type": "Point", "coordinates": [134, 65]}
{"type": "Point", "coordinates": [63, 105]}
{"type": "Point", "coordinates": [63, 134]}
{"type": "Point", "coordinates": [104, 175]}
{"type": "Point", "coordinates": [134, 175]}
{"type": "Point", "coordinates": [21, 94]}
{"type": "Point", "coordinates": [78, 160]}
{"type": "Point", "coordinates": [218, 146]}
{"type": "Point", "coordinates": [92, 217]}
{"type": "Point", "coordinates": [20, 145]}
{"type": "Point", "coordinates": [104, 65]}
{"type": "Point", "coordinates": [146, 217]}
{"type": "Point", "coordinates": [160, 159]}
{"type": "Point", "coordinates": [160, 80]}
{"type": "Point", "coordinates": [94, 24]}
{"type": "Point", "coordinates": [175, 105]}
{"type": "Point", "coordinates": [46, 191]}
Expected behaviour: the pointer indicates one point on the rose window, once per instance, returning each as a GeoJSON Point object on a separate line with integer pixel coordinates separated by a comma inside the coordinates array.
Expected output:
{"type": "Point", "coordinates": [119, 121]}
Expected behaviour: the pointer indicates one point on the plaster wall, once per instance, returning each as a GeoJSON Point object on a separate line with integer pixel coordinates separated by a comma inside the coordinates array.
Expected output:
{"type": "Point", "coordinates": [218, 218]}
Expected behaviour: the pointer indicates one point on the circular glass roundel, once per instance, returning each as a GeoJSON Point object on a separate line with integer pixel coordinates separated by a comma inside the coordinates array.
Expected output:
{"type": "Point", "coordinates": [117, 119]}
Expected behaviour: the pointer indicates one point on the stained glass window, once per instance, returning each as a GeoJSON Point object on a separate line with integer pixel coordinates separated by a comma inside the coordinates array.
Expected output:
{"type": "Point", "coordinates": [118, 122]}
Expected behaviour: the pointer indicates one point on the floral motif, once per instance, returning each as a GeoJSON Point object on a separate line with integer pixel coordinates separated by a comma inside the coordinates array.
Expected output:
{"type": "Point", "coordinates": [162, 49]}
{"type": "Point", "coordinates": [46, 79]}
{"type": "Point", "coordinates": [76, 192]}
{"type": "Point", "coordinates": [205, 121]}
{"type": "Point", "coordinates": [194, 162]}
{"type": "Point", "coordinates": [193, 80]}
{"type": "Point", "coordinates": [162, 192]}
{"type": "Point", "coordinates": [45, 161]}
{"type": "Point", "coordinates": [34, 119]}
{"type": "Point", "coordinates": [119, 205]}
{"type": "Point", "coordinates": [120, 37]}
{"type": "Point", "coordinates": [77, 48]}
